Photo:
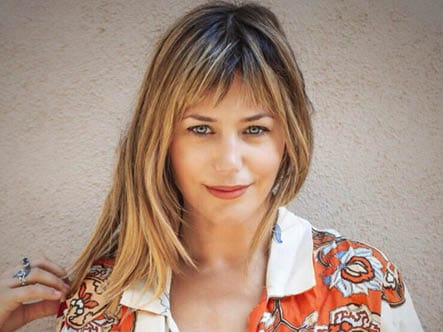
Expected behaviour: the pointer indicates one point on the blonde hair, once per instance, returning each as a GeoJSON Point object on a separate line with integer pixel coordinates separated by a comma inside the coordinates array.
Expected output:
{"type": "Point", "coordinates": [200, 54]}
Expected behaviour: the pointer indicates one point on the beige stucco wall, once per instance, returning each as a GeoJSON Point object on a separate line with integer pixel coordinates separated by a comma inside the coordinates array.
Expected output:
{"type": "Point", "coordinates": [69, 73]}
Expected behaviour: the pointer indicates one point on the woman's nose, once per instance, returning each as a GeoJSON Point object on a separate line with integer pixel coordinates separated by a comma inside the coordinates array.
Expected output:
{"type": "Point", "coordinates": [228, 154]}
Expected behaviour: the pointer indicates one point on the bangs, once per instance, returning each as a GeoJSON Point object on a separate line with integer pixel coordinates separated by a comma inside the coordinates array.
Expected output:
{"type": "Point", "coordinates": [254, 91]}
{"type": "Point", "coordinates": [207, 60]}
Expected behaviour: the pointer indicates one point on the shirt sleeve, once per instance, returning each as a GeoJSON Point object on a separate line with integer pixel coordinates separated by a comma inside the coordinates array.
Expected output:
{"type": "Point", "coordinates": [401, 318]}
{"type": "Point", "coordinates": [85, 310]}
{"type": "Point", "coordinates": [397, 310]}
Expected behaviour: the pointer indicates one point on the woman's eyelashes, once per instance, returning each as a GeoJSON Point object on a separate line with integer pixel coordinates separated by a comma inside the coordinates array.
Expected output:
{"type": "Point", "coordinates": [202, 130]}
{"type": "Point", "coordinates": [256, 130]}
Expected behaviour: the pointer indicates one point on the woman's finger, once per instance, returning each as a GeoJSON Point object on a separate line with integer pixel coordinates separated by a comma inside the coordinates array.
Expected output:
{"type": "Point", "coordinates": [40, 276]}
{"type": "Point", "coordinates": [41, 262]}
{"type": "Point", "coordinates": [48, 265]}
{"type": "Point", "coordinates": [40, 309]}
{"type": "Point", "coordinates": [29, 291]}
{"type": "Point", "coordinates": [35, 292]}
{"type": "Point", "coordinates": [12, 299]}
{"type": "Point", "coordinates": [29, 312]}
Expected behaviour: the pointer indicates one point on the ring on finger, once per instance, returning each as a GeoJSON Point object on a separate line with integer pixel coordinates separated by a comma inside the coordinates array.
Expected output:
{"type": "Point", "coordinates": [26, 263]}
{"type": "Point", "coordinates": [24, 272]}
{"type": "Point", "coordinates": [21, 276]}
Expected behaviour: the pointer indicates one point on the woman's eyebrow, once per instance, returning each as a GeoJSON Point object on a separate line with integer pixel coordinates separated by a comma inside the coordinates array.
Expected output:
{"type": "Point", "coordinates": [200, 117]}
{"type": "Point", "coordinates": [257, 116]}
{"type": "Point", "coordinates": [254, 117]}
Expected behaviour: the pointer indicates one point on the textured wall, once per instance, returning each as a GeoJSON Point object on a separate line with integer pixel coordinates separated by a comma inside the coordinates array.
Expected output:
{"type": "Point", "coordinates": [69, 74]}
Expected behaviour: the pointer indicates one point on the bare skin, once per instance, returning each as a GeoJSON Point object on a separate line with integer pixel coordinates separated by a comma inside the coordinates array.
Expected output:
{"type": "Point", "coordinates": [225, 159]}
{"type": "Point", "coordinates": [45, 289]}
{"type": "Point", "coordinates": [215, 301]}
{"type": "Point", "coordinates": [219, 295]}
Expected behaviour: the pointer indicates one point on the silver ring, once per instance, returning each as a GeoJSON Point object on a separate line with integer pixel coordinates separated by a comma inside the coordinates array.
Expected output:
{"type": "Point", "coordinates": [21, 276]}
{"type": "Point", "coordinates": [24, 272]}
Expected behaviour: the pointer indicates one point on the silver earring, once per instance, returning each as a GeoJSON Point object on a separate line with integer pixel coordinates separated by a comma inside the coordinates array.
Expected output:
{"type": "Point", "coordinates": [275, 188]}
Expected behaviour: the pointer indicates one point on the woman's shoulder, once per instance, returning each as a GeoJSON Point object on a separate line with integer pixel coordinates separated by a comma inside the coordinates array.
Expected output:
{"type": "Point", "coordinates": [342, 266]}
{"type": "Point", "coordinates": [86, 308]}
{"type": "Point", "coordinates": [354, 267]}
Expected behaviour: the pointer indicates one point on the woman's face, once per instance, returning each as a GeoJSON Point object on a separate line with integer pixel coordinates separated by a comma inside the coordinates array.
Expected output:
{"type": "Point", "coordinates": [225, 158]}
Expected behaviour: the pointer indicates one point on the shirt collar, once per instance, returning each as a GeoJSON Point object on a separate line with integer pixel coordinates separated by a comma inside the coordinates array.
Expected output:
{"type": "Point", "coordinates": [139, 298]}
{"type": "Point", "coordinates": [290, 267]}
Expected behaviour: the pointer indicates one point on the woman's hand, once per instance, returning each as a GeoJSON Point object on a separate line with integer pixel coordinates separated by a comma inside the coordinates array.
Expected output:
{"type": "Point", "coordinates": [37, 295]}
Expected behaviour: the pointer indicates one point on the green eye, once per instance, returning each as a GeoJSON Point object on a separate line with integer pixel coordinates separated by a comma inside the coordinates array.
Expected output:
{"type": "Point", "coordinates": [256, 130]}
{"type": "Point", "coordinates": [200, 130]}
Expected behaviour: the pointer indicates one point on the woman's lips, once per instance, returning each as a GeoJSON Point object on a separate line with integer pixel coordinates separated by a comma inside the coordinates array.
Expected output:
{"type": "Point", "coordinates": [227, 192]}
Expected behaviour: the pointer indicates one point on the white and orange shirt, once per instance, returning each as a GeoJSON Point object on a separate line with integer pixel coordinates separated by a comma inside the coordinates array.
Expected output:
{"type": "Point", "coordinates": [317, 281]}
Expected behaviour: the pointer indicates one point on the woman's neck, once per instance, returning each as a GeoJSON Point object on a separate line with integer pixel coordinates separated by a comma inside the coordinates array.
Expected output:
{"type": "Point", "coordinates": [221, 245]}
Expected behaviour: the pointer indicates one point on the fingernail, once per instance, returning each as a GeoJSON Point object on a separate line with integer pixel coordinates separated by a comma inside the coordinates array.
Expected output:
{"type": "Point", "coordinates": [58, 293]}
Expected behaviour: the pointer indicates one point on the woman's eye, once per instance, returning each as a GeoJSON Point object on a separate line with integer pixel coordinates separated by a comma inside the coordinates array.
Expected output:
{"type": "Point", "coordinates": [256, 130]}
{"type": "Point", "coordinates": [200, 129]}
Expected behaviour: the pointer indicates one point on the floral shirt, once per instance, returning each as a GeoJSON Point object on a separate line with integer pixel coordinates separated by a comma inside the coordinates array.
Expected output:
{"type": "Point", "coordinates": [317, 281]}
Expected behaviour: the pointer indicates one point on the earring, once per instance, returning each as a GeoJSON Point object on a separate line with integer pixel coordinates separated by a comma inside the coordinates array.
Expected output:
{"type": "Point", "coordinates": [275, 188]}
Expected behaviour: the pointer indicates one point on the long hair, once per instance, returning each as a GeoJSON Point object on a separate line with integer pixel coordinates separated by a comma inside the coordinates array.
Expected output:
{"type": "Point", "coordinates": [200, 54]}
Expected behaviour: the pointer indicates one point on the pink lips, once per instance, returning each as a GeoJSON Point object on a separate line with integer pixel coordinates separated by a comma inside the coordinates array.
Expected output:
{"type": "Point", "coordinates": [227, 192]}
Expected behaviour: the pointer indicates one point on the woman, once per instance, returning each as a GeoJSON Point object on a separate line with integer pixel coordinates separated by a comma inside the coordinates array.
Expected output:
{"type": "Point", "coordinates": [192, 234]}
